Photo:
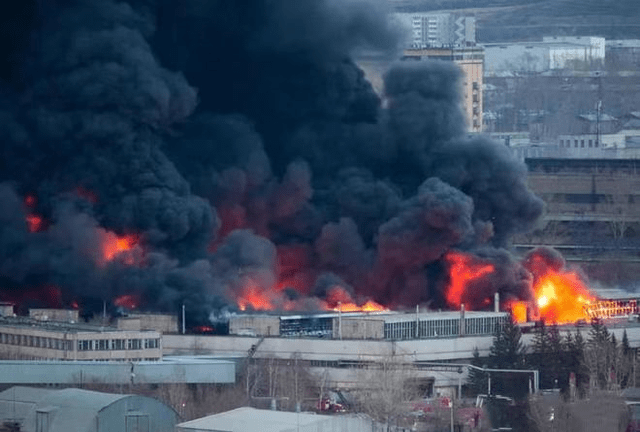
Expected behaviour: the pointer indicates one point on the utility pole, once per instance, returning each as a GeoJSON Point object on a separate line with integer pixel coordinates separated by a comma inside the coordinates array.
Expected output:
{"type": "Point", "coordinates": [183, 320]}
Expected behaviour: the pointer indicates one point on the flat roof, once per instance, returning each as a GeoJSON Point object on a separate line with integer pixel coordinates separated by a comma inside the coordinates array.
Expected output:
{"type": "Point", "coordinates": [447, 315]}
{"type": "Point", "coordinates": [252, 419]}
{"type": "Point", "coordinates": [615, 294]}
{"type": "Point", "coordinates": [59, 326]}
{"type": "Point", "coordinates": [385, 315]}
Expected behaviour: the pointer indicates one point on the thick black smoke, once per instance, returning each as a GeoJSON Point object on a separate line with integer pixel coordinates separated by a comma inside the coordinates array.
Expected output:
{"type": "Point", "coordinates": [244, 148]}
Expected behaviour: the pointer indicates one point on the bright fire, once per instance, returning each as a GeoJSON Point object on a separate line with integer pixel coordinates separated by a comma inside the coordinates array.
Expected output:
{"type": "Point", "coordinates": [114, 245]}
{"type": "Point", "coordinates": [463, 270]}
{"type": "Point", "coordinates": [253, 297]}
{"type": "Point", "coordinates": [369, 306]}
{"type": "Point", "coordinates": [561, 297]}
{"type": "Point", "coordinates": [519, 311]}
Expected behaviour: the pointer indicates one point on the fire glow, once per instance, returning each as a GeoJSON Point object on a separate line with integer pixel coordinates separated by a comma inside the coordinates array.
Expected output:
{"type": "Point", "coordinates": [463, 270]}
{"type": "Point", "coordinates": [252, 297]}
{"type": "Point", "coordinates": [369, 306]}
{"type": "Point", "coordinates": [127, 301]}
{"type": "Point", "coordinates": [559, 295]}
{"type": "Point", "coordinates": [113, 246]}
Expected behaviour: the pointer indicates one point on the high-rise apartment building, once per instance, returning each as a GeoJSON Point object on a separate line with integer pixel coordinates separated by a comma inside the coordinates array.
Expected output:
{"type": "Point", "coordinates": [439, 30]}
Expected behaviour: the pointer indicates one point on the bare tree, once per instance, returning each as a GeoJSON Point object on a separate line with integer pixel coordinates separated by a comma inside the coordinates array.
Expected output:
{"type": "Point", "coordinates": [387, 387]}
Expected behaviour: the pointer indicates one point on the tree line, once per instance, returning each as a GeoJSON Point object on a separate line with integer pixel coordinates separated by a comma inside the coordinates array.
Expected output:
{"type": "Point", "coordinates": [574, 364]}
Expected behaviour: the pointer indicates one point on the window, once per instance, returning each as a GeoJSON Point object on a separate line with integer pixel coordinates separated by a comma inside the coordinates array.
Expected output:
{"type": "Point", "coordinates": [581, 143]}
{"type": "Point", "coordinates": [117, 344]}
{"type": "Point", "coordinates": [103, 344]}
{"type": "Point", "coordinates": [475, 85]}
{"type": "Point", "coordinates": [575, 143]}
{"type": "Point", "coordinates": [590, 143]}
{"type": "Point", "coordinates": [151, 343]}
{"type": "Point", "coordinates": [84, 345]}
{"type": "Point", "coordinates": [133, 344]}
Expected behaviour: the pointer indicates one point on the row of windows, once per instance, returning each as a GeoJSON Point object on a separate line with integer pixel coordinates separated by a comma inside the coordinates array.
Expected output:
{"type": "Point", "coordinates": [117, 344]}
{"type": "Point", "coordinates": [35, 341]}
{"type": "Point", "coordinates": [83, 345]}
{"type": "Point", "coordinates": [441, 328]}
{"type": "Point", "coordinates": [567, 143]}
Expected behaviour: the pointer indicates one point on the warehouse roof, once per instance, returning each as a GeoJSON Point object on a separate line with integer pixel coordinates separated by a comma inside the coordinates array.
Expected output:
{"type": "Point", "coordinates": [247, 419]}
{"type": "Point", "coordinates": [58, 326]}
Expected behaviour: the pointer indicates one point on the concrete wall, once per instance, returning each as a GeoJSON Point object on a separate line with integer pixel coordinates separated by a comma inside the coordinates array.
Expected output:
{"type": "Point", "coordinates": [254, 325]}
{"type": "Point", "coordinates": [164, 323]}
{"type": "Point", "coordinates": [65, 315]}
{"type": "Point", "coordinates": [358, 328]}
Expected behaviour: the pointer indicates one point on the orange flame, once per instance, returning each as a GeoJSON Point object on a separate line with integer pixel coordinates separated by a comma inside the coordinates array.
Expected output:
{"type": "Point", "coordinates": [254, 298]}
{"type": "Point", "coordinates": [369, 306]}
{"type": "Point", "coordinates": [114, 246]}
{"type": "Point", "coordinates": [519, 311]}
{"type": "Point", "coordinates": [463, 269]}
{"type": "Point", "coordinates": [561, 297]}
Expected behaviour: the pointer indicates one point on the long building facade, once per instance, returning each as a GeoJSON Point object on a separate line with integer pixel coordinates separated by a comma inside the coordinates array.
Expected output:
{"type": "Point", "coordinates": [30, 339]}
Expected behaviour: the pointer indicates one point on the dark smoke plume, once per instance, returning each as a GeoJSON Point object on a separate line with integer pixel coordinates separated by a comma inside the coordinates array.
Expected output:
{"type": "Point", "coordinates": [244, 149]}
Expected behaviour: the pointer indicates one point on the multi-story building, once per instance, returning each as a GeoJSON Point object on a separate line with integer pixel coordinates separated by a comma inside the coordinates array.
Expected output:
{"type": "Point", "coordinates": [439, 29]}
{"type": "Point", "coordinates": [31, 339]}
{"type": "Point", "coordinates": [471, 62]}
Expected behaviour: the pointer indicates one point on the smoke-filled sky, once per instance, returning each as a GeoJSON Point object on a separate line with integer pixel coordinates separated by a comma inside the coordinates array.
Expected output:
{"type": "Point", "coordinates": [241, 147]}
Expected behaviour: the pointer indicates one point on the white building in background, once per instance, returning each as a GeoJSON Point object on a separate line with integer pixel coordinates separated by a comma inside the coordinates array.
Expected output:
{"type": "Point", "coordinates": [438, 29]}
{"type": "Point", "coordinates": [552, 53]}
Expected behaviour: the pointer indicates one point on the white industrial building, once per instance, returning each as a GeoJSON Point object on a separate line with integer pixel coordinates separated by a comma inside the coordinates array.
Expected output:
{"type": "Point", "coordinates": [340, 361]}
{"type": "Point", "coordinates": [552, 53]}
{"type": "Point", "coordinates": [247, 419]}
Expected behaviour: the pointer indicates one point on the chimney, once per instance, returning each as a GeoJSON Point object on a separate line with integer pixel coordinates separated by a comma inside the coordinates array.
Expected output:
{"type": "Point", "coordinates": [462, 323]}
{"type": "Point", "coordinates": [496, 302]}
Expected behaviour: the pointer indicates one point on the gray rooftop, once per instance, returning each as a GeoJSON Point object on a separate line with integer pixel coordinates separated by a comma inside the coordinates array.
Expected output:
{"type": "Point", "coordinates": [247, 419]}
{"type": "Point", "coordinates": [57, 326]}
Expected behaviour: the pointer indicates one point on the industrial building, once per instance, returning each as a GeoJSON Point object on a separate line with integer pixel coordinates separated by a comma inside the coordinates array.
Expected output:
{"type": "Point", "coordinates": [35, 339]}
{"type": "Point", "coordinates": [76, 410]}
{"type": "Point", "coordinates": [587, 189]}
{"type": "Point", "coordinates": [552, 53]}
{"type": "Point", "coordinates": [163, 323]}
{"type": "Point", "coordinates": [373, 325]}
{"type": "Point", "coordinates": [471, 61]}
{"type": "Point", "coordinates": [247, 419]}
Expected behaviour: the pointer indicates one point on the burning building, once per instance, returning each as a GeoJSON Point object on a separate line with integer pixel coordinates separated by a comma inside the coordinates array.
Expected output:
{"type": "Point", "coordinates": [383, 326]}
{"type": "Point", "coordinates": [231, 156]}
